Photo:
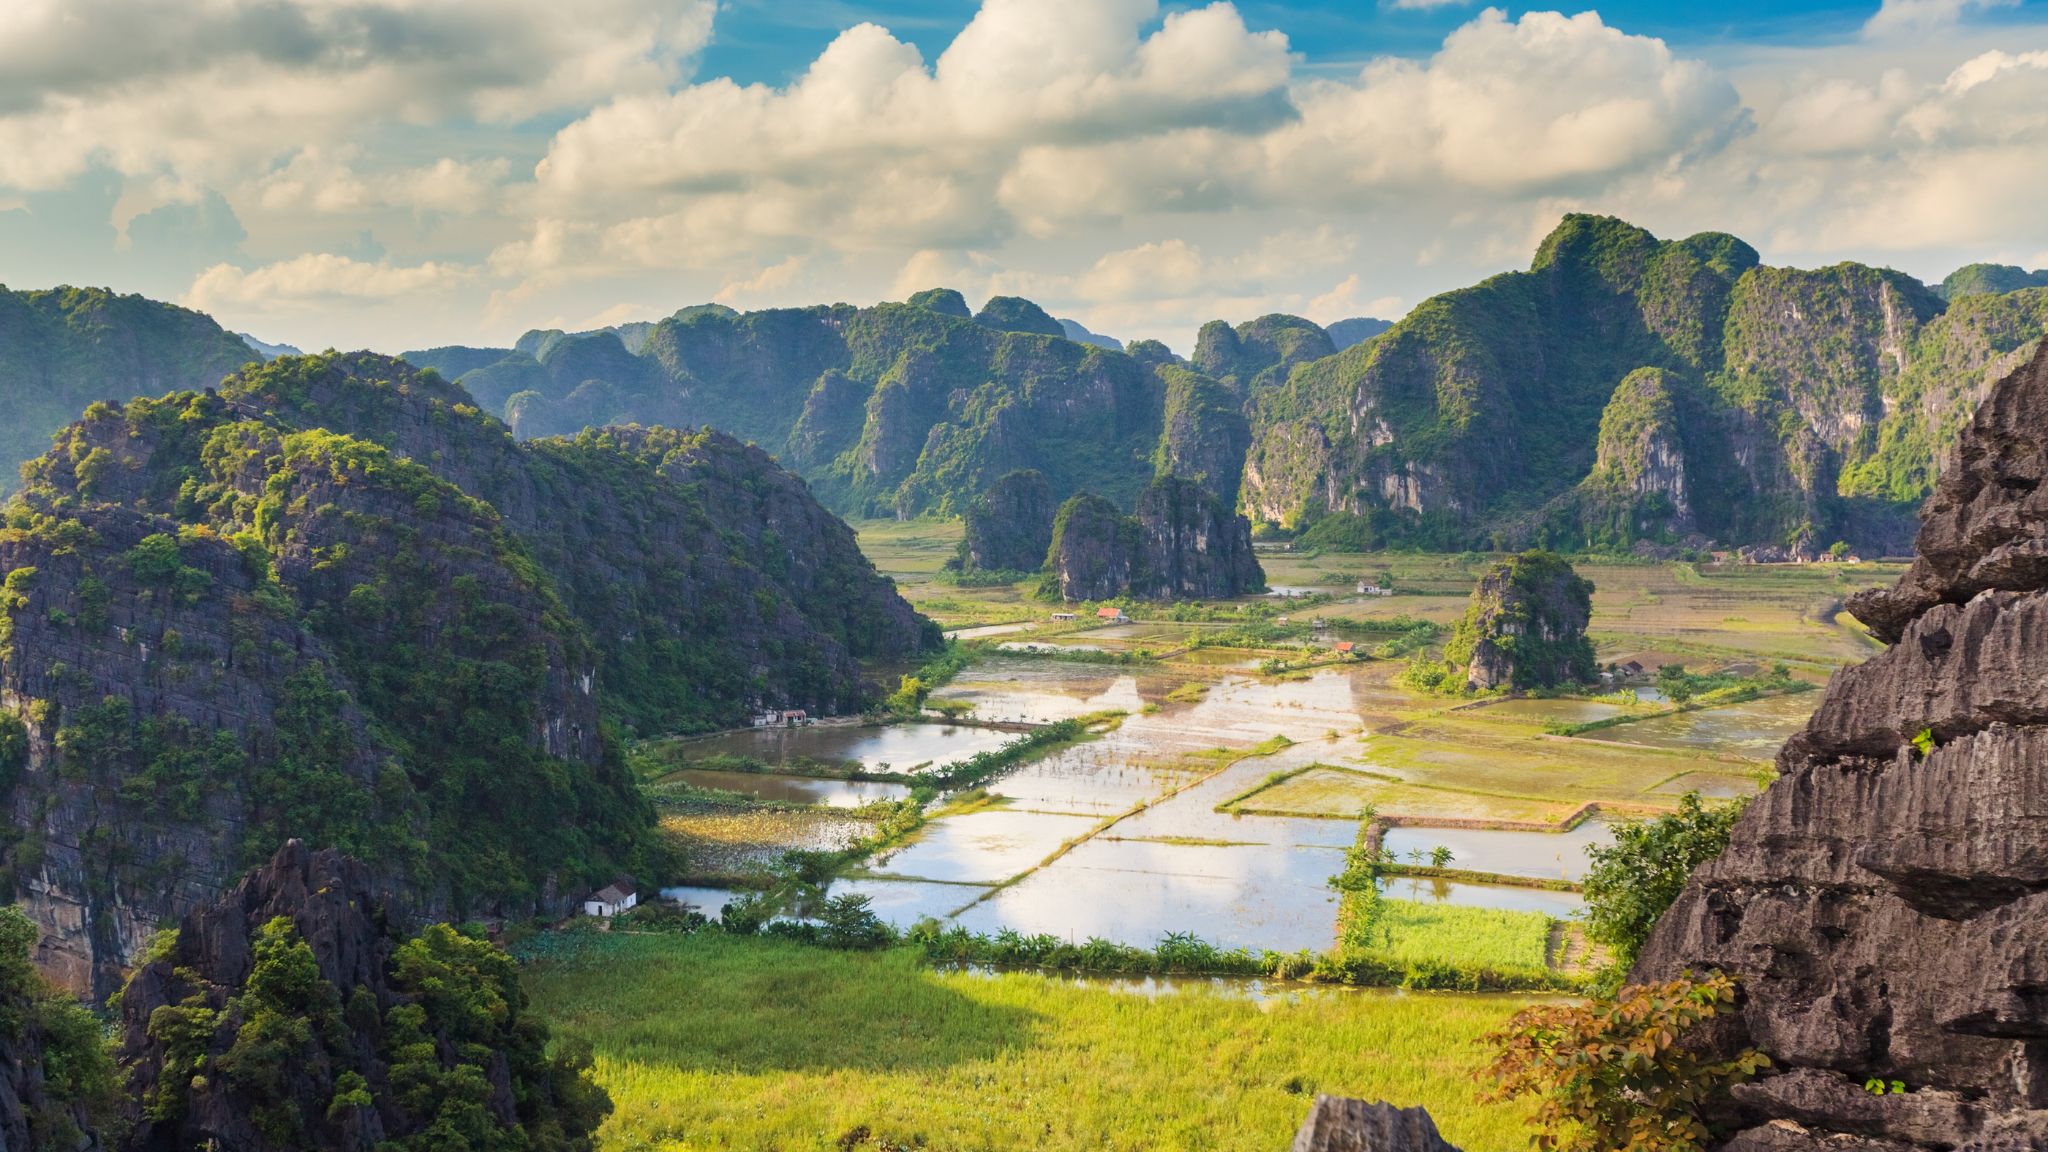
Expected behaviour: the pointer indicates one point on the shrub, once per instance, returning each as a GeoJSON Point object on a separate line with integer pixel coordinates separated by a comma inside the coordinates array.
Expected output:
{"type": "Point", "coordinates": [847, 922]}
{"type": "Point", "coordinates": [1621, 1075]}
{"type": "Point", "coordinates": [1633, 880]}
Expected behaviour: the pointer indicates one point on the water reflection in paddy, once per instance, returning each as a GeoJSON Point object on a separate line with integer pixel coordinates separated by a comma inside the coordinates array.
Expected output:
{"type": "Point", "coordinates": [1756, 729]}
{"type": "Point", "coordinates": [982, 847]}
{"type": "Point", "coordinates": [899, 746]}
{"type": "Point", "coordinates": [1256, 896]}
{"type": "Point", "coordinates": [793, 789]}
{"type": "Point", "coordinates": [1177, 865]}
{"type": "Point", "coordinates": [905, 902]}
{"type": "Point", "coordinates": [1515, 899]}
{"type": "Point", "coordinates": [1560, 711]}
{"type": "Point", "coordinates": [709, 901]}
{"type": "Point", "coordinates": [1546, 855]}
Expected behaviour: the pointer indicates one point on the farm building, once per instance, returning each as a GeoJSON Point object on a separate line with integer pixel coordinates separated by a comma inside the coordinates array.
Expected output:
{"type": "Point", "coordinates": [611, 899]}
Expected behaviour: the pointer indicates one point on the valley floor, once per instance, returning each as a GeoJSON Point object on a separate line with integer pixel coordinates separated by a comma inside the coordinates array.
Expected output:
{"type": "Point", "coordinates": [1218, 763]}
{"type": "Point", "coordinates": [714, 1042]}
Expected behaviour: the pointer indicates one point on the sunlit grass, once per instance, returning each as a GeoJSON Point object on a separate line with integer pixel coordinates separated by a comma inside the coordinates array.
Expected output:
{"type": "Point", "coordinates": [712, 1042]}
{"type": "Point", "coordinates": [1494, 938]}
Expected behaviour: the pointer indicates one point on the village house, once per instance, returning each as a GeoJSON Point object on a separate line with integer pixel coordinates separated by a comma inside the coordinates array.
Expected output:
{"type": "Point", "coordinates": [1365, 589]}
{"type": "Point", "coordinates": [1113, 615]}
{"type": "Point", "coordinates": [1630, 670]}
{"type": "Point", "coordinates": [795, 717]}
{"type": "Point", "coordinates": [1345, 647]}
{"type": "Point", "coordinates": [611, 899]}
{"type": "Point", "coordinates": [1062, 617]}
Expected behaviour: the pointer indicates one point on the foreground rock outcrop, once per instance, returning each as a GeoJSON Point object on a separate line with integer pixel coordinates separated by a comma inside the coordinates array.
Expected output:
{"type": "Point", "coordinates": [1183, 543]}
{"type": "Point", "coordinates": [1884, 904]}
{"type": "Point", "coordinates": [1337, 1124]}
{"type": "Point", "coordinates": [293, 1014]}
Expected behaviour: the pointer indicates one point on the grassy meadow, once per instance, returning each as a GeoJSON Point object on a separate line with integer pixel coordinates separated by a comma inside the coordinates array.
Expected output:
{"type": "Point", "coordinates": [714, 1042]}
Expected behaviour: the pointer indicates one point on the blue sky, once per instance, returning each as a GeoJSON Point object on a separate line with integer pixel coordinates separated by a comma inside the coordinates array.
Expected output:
{"type": "Point", "coordinates": [771, 41]}
{"type": "Point", "coordinates": [392, 173]}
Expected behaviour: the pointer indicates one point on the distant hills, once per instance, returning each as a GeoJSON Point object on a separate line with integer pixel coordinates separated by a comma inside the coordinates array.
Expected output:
{"type": "Point", "coordinates": [1991, 278]}
{"type": "Point", "coordinates": [63, 349]}
{"type": "Point", "coordinates": [1627, 388]}
{"type": "Point", "coordinates": [1623, 389]}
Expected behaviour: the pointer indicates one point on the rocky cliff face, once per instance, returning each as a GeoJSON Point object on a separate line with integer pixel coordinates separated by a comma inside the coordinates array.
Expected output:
{"type": "Point", "coordinates": [63, 349]}
{"type": "Point", "coordinates": [1525, 626]}
{"type": "Point", "coordinates": [1205, 435]}
{"type": "Point", "coordinates": [1882, 902]}
{"type": "Point", "coordinates": [294, 1013]}
{"type": "Point", "coordinates": [1182, 544]}
{"type": "Point", "coordinates": [334, 601]}
{"type": "Point", "coordinates": [1009, 527]}
{"type": "Point", "coordinates": [1259, 354]}
{"type": "Point", "coordinates": [1811, 405]}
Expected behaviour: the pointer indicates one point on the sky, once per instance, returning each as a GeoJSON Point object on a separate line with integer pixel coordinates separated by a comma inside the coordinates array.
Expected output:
{"type": "Point", "coordinates": [395, 174]}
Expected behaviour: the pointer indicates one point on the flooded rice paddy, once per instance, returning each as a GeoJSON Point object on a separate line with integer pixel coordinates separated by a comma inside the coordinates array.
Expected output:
{"type": "Point", "coordinates": [1755, 730]}
{"type": "Point", "coordinates": [1222, 803]}
{"type": "Point", "coordinates": [792, 789]}
{"type": "Point", "coordinates": [897, 747]}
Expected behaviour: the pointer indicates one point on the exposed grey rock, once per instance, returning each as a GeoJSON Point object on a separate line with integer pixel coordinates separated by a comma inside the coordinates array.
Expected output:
{"type": "Point", "coordinates": [1339, 1124]}
{"type": "Point", "coordinates": [1883, 905]}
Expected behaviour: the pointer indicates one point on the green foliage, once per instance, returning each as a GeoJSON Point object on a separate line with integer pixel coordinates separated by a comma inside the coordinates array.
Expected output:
{"type": "Point", "coordinates": [78, 1075]}
{"type": "Point", "coordinates": [456, 1021]}
{"type": "Point", "coordinates": [1626, 1075]}
{"type": "Point", "coordinates": [1635, 878]}
{"type": "Point", "coordinates": [847, 922]}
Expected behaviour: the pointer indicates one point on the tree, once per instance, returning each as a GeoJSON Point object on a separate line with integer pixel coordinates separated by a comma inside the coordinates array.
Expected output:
{"type": "Point", "coordinates": [1675, 683]}
{"type": "Point", "coordinates": [1621, 1075]}
{"type": "Point", "coordinates": [1633, 880]}
{"type": "Point", "coordinates": [1440, 856]}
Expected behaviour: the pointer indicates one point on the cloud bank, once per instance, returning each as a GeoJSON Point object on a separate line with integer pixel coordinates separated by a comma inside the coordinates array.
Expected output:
{"type": "Point", "coordinates": [530, 162]}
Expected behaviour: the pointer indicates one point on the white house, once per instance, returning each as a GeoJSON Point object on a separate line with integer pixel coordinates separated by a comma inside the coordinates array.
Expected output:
{"type": "Point", "coordinates": [611, 899]}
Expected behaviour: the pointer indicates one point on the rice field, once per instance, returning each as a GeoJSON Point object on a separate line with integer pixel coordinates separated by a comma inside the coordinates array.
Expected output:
{"type": "Point", "coordinates": [713, 1042]}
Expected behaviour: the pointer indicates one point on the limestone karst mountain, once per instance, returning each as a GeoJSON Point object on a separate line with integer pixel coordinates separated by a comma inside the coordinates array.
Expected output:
{"type": "Point", "coordinates": [333, 600]}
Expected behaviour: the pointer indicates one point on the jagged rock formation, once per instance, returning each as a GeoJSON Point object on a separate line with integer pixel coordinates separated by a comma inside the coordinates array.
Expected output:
{"type": "Point", "coordinates": [1182, 544]}
{"type": "Point", "coordinates": [896, 409]}
{"type": "Point", "coordinates": [63, 349]}
{"type": "Point", "coordinates": [294, 1014]}
{"type": "Point", "coordinates": [1639, 487]}
{"type": "Point", "coordinates": [1016, 314]}
{"type": "Point", "coordinates": [1079, 334]}
{"type": "Point", "coordinates": [1259, 354]}
{"type": "Point", "coordinates": [1357, 330]}
{"type": "Point", "coordinates": [1971, 279]}
{"type": "Point", "coordinates": [1812, 405]}
{"type": "Point", "coordinates": [1338, 1124]}
{"type": "Point", "coordinates": [1009, 527]}
{"type": "Point", "coordinates": [1205, 435]}
{"type": "Point", "coordinates": [1525, 627]}
{"type": "Point", "coordinates": [335, 601]}
{"type": "Point", "coordinates": [1882, 904]}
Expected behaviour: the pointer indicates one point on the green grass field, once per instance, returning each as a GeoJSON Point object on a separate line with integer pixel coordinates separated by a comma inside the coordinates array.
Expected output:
{"type": "Point", "coordinates": [711, 1042]}
{"type": "Point", "coordinates": [1494, 938]}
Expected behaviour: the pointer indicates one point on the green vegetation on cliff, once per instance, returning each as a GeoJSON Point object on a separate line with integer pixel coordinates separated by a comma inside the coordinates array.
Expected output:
{"type": "Point", "coordinates": [1790, 407]}
{"type": "Point", "coordinates": [63, 349]}
{"type": "Point", "coordinates": [333, 600]}
{"type": "Point", "coordinates": [1524, 628]}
